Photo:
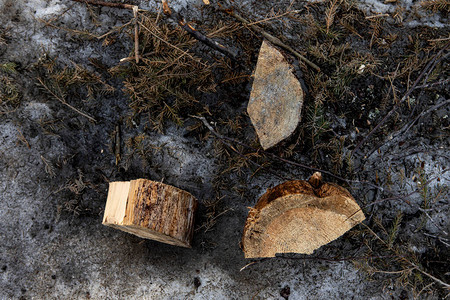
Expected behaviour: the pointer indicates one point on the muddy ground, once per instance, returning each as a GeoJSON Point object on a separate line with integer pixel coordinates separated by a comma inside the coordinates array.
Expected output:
{"type": "Point", "coordinates": [66, 99]}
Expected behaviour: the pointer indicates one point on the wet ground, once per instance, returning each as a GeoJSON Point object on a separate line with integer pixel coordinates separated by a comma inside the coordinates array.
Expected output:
{"type": "Point", "coordinates": [56, 162]}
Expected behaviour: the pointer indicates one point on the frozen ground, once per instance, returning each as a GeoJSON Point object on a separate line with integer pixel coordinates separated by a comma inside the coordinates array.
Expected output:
{"type": "Point", "coordinates": [53, 189]}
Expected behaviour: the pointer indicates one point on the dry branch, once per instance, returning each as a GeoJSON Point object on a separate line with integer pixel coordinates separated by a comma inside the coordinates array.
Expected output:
{"type": "Point", "coordinates": [402, 258]}
{"type": "Point", "coordinates": [107, 4]}
{"type": "Point", "coordinates": [179, 19]}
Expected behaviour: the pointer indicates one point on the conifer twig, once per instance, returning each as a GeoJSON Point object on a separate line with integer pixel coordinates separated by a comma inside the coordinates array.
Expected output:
{"type": "Point", "coordinates": [60, 99]}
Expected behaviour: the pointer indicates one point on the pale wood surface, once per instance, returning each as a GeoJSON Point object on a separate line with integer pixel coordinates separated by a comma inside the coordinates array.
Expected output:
{"type": "Point", "coordinates": [151, 210]}
{"type": "Point", "coordinates": [299, 217]}
{"type": "Point", "coordinates": [276, 98]}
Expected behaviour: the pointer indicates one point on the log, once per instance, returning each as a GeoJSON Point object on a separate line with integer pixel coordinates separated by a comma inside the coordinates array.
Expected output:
{"type": "Point", "coordinates": [151, 210]}
{"type": "Point", "coordinates": [299, 217]}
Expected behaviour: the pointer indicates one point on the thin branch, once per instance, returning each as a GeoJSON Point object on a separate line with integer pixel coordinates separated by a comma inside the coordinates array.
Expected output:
{"type": "Point", "coordinates": [179, 19]}
{"type": "Point", "coordinates": [272, 39]}
{"type": "Point", "coordinates": [431, 109]}
{"type": "Point", "coordinates": [446, 285]}
{"type": "Point", "coordinates": [107, 4]}
{"type": "Point", "coordinates": [426, 86]}
{"type": "Point", "coordinates": [433, 221]}
{"type": "Point", "coordinates": [329, 259]}
{"type": "Point", "coordinates": [377, 16]}
{"type": "Point", "coordinates": [171, 45]}
{"type": "Point", "coordinates": [275, 17]}
{"type": "Point", "coordinates": [60, 99]}
{"type": "Point", "coordinates": [136, 33]}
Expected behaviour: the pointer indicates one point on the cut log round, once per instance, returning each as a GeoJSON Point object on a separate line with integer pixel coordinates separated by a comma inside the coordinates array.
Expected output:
{"type": "Point", "coordinates": [299, 217]}
{"type": "Point", "coordinates": [151, 210]}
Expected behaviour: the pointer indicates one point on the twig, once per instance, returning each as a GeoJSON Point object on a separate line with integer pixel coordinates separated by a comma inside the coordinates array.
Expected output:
{"type": "Point", "coordinates": [179, 19]}
{"type": "Point", "coordinates": [63, 101]}
{"type": "Point", "coordinates": [159, 14]}
{"type": "Point", "coordinates": [408, 127]}
{"type": "Point", "coordinates": [441, 239]}
{"type": "Point", "coordinates": [377, 16]}
{"type": "Point", "coordinates": [439, 40]}
{"type": "Point", "coordinates": [272, 39]}
{"type": "Point", "coordinates": [321, 258]}
{"type": "Point", "coordinates": [410, 90]}
{"type": "Point", "coordinates": [275, 17]}
{"type": "Point", "coordinates": [446, 285]}
{"type": "Point", "coordinates": [247, 265]}
{"type": "Point", "coordinates": [23, 139]}
{"type": "Point", "coordinates": [135, 10]}
{"type": "Point", "coordinates": [425, 86]}
{"type": "Point", "coordinates": [107, 4]}
{"type": "Point", "coordinates": [136, 33]}
{"type": "Point", "coordinates": [432, 221]}
{"type": "Point", "coordinates": [433, 108]}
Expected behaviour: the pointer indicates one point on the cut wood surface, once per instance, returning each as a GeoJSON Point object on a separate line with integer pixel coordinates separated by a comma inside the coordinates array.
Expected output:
{"type": "Point", "coordinates": [299, 217]}
{"type": "Point", "coordinates": [151, 210]}
{"type": "Point", "coordinates": [276, 98]}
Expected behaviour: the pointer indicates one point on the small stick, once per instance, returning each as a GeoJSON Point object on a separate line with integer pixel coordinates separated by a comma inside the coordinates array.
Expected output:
{"type": "Point", "coordinates": [376, 16]}
{"type": "Point", "coordinates": [23, 139]}
{"type": "Point", "coordinates": [329, 259]}
{"type": "Point", "coordinates": [430, 85]}
{"type": "Point", "coordinates": [107, 4]}
{"type": "Point", "coordinates": [173, 15]}
{"type": "Point", "coordinates": [424, 113]}
{"type": "Point", "coordinates": [439, 40]}
{"type": "Point", "coordinates": [117, 143]}
{"type": "Point", "coordinates": [136, 33]}
{"type": "Point", "coordinates": [446, 285]}
{"type": "Point", "coordinates": [275, 17]}
{"type": "Point", "coordinates": [272, 39]}
{"type": "Point", "coordinates": [169, 44]}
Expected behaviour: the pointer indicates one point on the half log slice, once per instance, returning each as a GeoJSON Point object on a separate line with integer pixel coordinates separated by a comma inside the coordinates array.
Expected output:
{"type": "Point", "coordinates": [299, 217]}
{"type": "Point", "coordinates": [276, 98]}
{"type": "Point", "coordinates": [151, 210]}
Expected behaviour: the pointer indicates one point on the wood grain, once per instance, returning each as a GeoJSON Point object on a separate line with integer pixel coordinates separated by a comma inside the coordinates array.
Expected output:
{"type": "Point", "coordinates": [299, 217]}
{"type": "Point", "coordinates": [151, 210]}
